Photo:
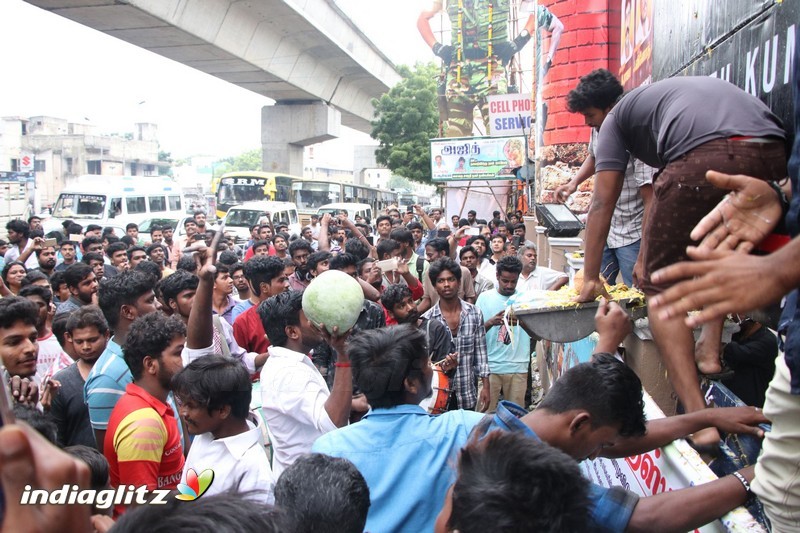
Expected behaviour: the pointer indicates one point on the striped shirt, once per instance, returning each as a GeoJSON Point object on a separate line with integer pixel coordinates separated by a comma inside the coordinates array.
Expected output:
{"type": "Point", "coordinates": [470, 341]}
{"type": "Point", "coordinates": [626, 222]}
{"type": "Point", "coordinates": [143, 444]}
{"type": "Point", "coordinates": [106, 385]}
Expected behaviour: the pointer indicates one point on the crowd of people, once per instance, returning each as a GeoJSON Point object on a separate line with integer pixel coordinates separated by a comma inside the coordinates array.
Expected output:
{"type": "Point", "coordinates": [151, 364]}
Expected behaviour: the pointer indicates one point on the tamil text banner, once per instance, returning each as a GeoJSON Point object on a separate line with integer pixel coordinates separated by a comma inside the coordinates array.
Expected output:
{"type": "Point", "coordinates": [476, 158]}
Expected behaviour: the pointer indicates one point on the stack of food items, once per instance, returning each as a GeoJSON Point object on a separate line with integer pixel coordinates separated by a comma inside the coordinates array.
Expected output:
{"type": "Point", "coordinates": [560, 163]}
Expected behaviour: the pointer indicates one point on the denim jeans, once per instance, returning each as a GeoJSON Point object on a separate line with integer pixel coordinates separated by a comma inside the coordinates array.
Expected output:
{"type": "Point", "coordinates": [622, 259]}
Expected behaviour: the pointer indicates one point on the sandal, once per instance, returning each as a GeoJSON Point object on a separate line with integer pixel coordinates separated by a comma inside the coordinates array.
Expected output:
{"type": "Point", "coordinates": [726, 373]}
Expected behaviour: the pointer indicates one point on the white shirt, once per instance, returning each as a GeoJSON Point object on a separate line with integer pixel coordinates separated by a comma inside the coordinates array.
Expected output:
{"type": "Point", "coordinates": [293, 395]}
{"type": "Point", "coordinates": [248, 359]}
{"type": "Point", "coordinates": [541, 278]}
{"type": "Point", "coordinates": [240, 463]}
{"type": "Point", "coordinates": [487, 270]}
{"type": "Point", "coordinates": [50, 351]}
{"type": "Point", "coordinates": [13, 253]}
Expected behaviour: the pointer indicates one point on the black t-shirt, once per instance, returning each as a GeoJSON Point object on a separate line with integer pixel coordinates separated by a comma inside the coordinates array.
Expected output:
{"type": "Point", "coordinates": [660, 122]}
{"type": "Point", "coordinates": [753, 361]}
{"type": "Point", "coordinates": [440, 341]}
{"type": "Point", "coordinates": [69, 412]}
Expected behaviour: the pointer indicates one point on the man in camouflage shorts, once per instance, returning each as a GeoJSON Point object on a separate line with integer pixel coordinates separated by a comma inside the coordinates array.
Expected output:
{"type": "Point", "coordinates": [476, 64]}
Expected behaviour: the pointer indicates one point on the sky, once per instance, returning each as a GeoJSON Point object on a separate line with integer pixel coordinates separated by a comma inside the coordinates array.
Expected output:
{"type": "Point", "coordinates": [53, 66]}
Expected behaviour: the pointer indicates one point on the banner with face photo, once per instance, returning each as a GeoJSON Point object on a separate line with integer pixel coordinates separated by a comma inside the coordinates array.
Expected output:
{"type": "Point", "coordinates": [476, 158]}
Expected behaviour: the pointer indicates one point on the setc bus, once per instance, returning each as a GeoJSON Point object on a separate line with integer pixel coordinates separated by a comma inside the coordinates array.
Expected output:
{"type": "Point", "coordinates": [236, 188]}
{"type": "Point", "coordinates": [310, 195]}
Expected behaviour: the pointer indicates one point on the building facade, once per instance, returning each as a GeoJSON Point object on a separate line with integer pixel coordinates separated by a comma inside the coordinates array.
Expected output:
{"type": "Point", "coordinates": [58, 151]}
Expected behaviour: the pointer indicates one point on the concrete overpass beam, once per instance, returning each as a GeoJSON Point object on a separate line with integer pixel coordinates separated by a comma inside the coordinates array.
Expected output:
{"type": "Point", "coordinates": [286, 128]}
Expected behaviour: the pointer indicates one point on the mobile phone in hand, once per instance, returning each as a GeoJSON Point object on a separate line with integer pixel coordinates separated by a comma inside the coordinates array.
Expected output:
{"type": "Point", "coordinates": [388, 265]}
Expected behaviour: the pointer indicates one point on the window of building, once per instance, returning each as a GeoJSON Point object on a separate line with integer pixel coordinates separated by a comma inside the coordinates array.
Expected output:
{"type": "Point", "coordinates": [157, 203]}
{"type": "Point", "coordinates": [134, 169]}
{"type": "Point", "coordinates": [39, 165]}
{"type": "Point", "coordinates": [175, 203]}
{"type": "Point", "coordinates": [135, 204]}
{"type": "Point", "coordinates": [94, 167]}
{"type": "Point", "coordinates": [15, 165]}
{"type": "Point", "coordinates": [68, 163]}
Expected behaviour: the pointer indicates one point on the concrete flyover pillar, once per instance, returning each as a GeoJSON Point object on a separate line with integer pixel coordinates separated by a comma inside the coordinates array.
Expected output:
{"type": "Point", "coordinates": [287, 127]}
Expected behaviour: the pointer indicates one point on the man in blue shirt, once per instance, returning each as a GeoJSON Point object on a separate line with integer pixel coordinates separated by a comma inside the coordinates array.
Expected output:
{"type": "Point", "coordinates": [507, 344]}
{"type": "Point", "coordinates": [596, 410]}
{"type": "Point", "coordinates": [508, 482]}
{"type": "Point", "coordinates": [404, 453]}
{"type": "Point", "coordinates": [122, 299]}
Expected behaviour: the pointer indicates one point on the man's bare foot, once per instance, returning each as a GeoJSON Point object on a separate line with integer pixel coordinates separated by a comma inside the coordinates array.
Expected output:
{"type": "Point", "coordinates": [707, 356]}
{"type": "Point", "coordinates": [705, 439]}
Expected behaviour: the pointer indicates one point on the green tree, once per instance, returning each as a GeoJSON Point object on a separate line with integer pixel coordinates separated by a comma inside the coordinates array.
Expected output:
{"type": "Point", "coordinates": [406, 118]}
{"type": "Point", "coordinates": [250, 160]}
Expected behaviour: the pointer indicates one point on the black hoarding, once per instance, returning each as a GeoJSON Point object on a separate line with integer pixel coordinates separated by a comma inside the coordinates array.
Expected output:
{"type": "Point", "coordinates": [746, 42]}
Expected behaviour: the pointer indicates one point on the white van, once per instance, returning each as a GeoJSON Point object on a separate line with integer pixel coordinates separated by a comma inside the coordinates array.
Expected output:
{"type": "Point", "coordinates": [241, 217]}
{"type": "Point", "coordinates": [353, 210]}
{"type": "Point", "coordinates": [117, 201]}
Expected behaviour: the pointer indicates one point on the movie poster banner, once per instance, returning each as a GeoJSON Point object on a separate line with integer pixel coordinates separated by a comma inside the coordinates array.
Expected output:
{"type": "Point", "coordinates": [476, 158]}
{"type": "Point", "coordinates": [636, 43]}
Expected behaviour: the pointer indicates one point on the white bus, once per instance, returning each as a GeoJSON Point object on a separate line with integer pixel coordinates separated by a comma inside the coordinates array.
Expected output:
{"type": "Point", "coordinates": [117, 201]}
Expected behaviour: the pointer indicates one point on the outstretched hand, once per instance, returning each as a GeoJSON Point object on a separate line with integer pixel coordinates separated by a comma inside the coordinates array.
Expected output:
{"type": "Point", "coordinates": [739, 420]}
{"type": "Point", "coordinates": [743, 218]}
{"type": "Point", "coordinates": [716, 283]}
{"type": "Point", "coordinates": [207, 256]}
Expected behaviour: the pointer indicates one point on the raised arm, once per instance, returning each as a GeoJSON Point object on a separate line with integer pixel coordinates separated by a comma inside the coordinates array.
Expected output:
{"type": "Point", "coordinates": [38, 244]}
{"type": "Point", "coordinates": [323, 243]}
{"type": "Point", "coordinates": [200, 326]}
{"type": "Point", "coordinates": [424, 23]}
{"type": "Point", "coordinates": [556, 29]}
{"type": "Point", "coordinates": [339, 402]}
{"type": "Point", "coordinates": [428, 220]}
{"type": "Point", "coordinates": [349, 224]}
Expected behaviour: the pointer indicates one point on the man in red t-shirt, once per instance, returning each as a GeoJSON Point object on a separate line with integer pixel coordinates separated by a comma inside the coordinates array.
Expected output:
{"type": "Point", "coordinates": [266, 277]}
{"type": "Point", "coordinates": [142, 442]}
